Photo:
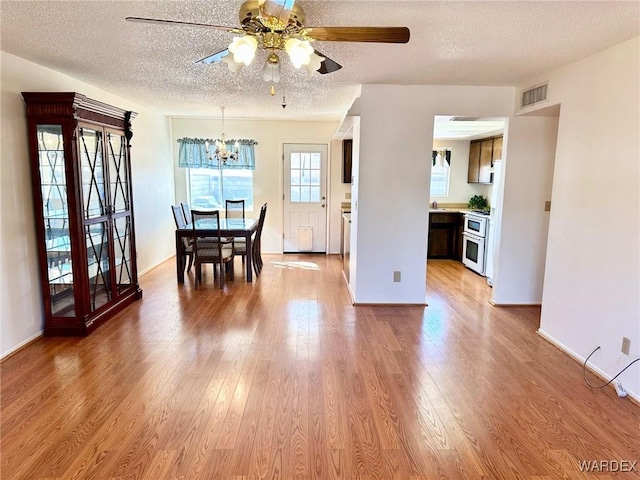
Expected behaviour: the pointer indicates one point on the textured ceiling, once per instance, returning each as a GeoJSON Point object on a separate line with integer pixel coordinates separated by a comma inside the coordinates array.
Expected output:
{"type": "Point", "coordinates": [455, 43]}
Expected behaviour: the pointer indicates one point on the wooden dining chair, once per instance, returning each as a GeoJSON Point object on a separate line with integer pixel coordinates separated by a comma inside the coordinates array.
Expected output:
{"type": "Point", "coordinates": [186, 211]}
{"type": "Point", "coordinates": [187, 247]}
{"type": "Point", "coordinates": [235, 209]}
{"type": "Point", "coordinates": [256, 248]}
{"type": "Point", "coordinates": [205, 251]}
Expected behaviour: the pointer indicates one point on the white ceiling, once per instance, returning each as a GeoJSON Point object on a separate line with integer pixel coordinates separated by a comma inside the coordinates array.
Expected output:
{"type": "Point", "coordinates": [454, 43]}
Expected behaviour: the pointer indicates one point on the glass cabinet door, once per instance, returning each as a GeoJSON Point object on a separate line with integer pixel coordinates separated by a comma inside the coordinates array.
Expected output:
{"type": "Point", "coordinates": [121, 209]}
{"type": "Point", "coordinates": [55, 210]}
{"type": "Point", "coordinates": [95, 211]}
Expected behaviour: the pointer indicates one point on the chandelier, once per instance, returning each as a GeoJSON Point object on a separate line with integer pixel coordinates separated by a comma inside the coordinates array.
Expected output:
{"type": "Point", "coordinates": [221, 153]}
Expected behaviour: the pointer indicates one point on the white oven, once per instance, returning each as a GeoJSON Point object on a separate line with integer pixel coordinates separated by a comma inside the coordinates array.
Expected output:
{"type": "Point", "coordinates": [474, 237]}
{"type": "Point", "coordinates": [473, 252]}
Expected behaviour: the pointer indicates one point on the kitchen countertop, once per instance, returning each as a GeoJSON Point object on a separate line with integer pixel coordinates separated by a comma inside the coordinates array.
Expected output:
{"type": "Point", "coordinates": [451, 210]}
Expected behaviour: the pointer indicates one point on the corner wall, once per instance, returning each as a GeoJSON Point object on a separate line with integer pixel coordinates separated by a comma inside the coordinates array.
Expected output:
{"type": "Point", "coordinates": [528, 160]}
{"type": "Point", "coordinates": [20, 296]}
{"type": "Point", "coordinates": [592, 276]}
{"type": "Point", "coordinates": [393, 186]}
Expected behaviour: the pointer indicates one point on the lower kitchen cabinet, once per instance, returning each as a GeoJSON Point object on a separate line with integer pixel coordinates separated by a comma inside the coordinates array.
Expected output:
{"type": "Point", "coordinates": [346, 243]}
{"type": "Point", "coordinates": [444, 235]}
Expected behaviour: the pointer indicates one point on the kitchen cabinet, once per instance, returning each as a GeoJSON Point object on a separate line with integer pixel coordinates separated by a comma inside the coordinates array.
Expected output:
{"type": "Point", "coordinates": [444, 235]}
{"type": "Point", "coordinates": [347, 160]}
{"type": "Point", "coordinates": [482, 154]}
{"type": "Point", "coordinates": [346, 244]}
{"type": "Point", "coordinates": [497, 150]}
{"type": "Point", "coordinates": [83, 203]}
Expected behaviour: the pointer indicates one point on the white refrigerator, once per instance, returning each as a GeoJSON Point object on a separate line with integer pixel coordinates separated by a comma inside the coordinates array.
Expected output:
{"type": "Point", "coordinates": [494, 221]}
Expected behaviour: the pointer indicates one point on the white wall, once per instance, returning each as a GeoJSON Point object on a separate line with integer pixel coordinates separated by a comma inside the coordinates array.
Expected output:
{"type": "Point", "coordinates": [20, 294]}
{"type": "Point", "coordinates": [592, 277]}
{"type": "Point", "coordinates": [459, 190]}
{"type": "Point", "coordinates": [528, 159]}
{"type": "Point", "coordinates": [268, 175]}
{"type": "Point", "coordinates": [393, 191]}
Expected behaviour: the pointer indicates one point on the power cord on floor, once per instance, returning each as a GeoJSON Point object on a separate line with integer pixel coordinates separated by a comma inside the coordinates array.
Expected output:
{"type": "Point", "coordinates": [584, 371]}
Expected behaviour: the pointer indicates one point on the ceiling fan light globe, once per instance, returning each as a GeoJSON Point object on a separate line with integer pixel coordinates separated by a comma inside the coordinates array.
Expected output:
{"type": "Point", "coordinates": [232, 64]}
{"type": "Point", "coordinates": [271, 72]}
{"type": "Point", "coordinates": [299, 51]}
{"type": "Point", "coordinates": [243, 49]}
{"type": "Point", "coordinates": [315, 61]}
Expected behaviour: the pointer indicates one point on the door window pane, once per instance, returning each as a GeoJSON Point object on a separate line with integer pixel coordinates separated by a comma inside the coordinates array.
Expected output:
{"type": "Point", "coordinates": [305, 177]}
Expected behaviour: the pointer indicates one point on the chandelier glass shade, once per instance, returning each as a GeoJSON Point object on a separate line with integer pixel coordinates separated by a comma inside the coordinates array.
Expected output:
{"type": "Point", "coordinates": [221, 153]}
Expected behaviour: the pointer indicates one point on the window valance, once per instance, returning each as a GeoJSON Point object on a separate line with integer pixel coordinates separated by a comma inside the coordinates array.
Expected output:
{"type": "Point", "coordinates": [445, 154]}
{"type": "Point", "coordinates": [193, 154]}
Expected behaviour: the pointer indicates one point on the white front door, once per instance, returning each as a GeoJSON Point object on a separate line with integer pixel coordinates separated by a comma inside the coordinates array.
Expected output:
{"type": "Point", "coordinates": [305, 194]}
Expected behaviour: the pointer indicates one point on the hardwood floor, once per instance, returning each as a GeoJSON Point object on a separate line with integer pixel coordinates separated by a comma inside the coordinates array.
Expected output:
{"type": "Point", "coordinates": [284, 378]}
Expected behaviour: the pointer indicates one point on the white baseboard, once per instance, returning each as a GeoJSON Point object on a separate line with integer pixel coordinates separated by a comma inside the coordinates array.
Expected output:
{"type": "Point", "coordinates": [579, 358]}
{"type": "Point", "coordinates": [21, 345]}
{"type": "Point", "coordinates": [155, 265]}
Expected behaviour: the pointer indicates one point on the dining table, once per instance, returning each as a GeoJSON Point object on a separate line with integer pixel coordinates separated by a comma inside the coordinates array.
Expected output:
{"type": "Point", "coordinates": [229, 227]}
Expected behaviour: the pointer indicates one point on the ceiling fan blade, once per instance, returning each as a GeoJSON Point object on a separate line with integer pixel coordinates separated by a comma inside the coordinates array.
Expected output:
{"type": "Point", "coordinates": [327, 65]}
{"type": "Point", "coordinates": [157, 21]}
{"type": "Point", "coordinates": [358, 34]}
{"type": "Point", "coordinates": [279, 10]}
{"type": "Point", "coordinates": [215, 58]}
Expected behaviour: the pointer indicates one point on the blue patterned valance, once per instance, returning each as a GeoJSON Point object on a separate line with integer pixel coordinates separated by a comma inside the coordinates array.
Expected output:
{"type": "Point", "coordinates": [193, 154]}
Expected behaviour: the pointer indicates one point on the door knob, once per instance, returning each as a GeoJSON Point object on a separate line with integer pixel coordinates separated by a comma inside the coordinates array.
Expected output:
{"type": "Point", "coordinates": [323, 205]}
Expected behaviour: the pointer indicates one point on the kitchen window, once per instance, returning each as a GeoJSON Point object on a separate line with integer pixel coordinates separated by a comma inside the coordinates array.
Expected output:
{"type": "Point", "coordinates": [440, 173]}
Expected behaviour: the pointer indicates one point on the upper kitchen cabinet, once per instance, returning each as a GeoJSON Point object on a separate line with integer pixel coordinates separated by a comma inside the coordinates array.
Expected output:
{"type": "Point", "coordinates": [347, 160]}
{"type": "Point", "coordinates": [482, 154]}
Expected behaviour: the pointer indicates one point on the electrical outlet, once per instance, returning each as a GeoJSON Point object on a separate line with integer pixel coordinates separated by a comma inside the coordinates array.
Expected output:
{"type": "Point", "coordinates": [396, 276]}
{"type": "Point", "coordinates": [626, 345]}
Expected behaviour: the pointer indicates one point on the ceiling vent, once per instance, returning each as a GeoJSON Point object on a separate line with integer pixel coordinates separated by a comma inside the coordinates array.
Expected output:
{"type": "Point", "coordinates": [464, 119]}
{"type": "Point", "coordinates": [534, 95]}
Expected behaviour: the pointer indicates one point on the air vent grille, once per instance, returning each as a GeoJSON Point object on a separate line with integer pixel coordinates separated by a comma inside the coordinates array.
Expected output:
{"type": "Point", "coordinates": [464, 119]}
{"type": "Point", "coordinates": [534, 95]}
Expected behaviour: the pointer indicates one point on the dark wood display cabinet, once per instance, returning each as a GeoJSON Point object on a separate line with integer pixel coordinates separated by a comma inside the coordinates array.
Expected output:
{"type": "Point", "coordinates": [81, 174]}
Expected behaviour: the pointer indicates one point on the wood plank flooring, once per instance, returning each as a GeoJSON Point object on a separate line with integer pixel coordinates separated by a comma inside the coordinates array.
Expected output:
{"type": "Point", "coordinates": [285, 379]}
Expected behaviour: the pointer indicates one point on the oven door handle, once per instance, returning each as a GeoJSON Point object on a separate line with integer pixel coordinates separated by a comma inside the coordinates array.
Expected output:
{"type": "Point", "coordinates": [472, 236]}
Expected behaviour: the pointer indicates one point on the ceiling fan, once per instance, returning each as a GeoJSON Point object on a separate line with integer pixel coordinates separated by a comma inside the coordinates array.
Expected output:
{"type": "Point", "coordinates": [278, 25]}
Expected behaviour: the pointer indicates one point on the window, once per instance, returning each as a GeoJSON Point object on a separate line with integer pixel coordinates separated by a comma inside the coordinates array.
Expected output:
{"type": "Point", "coordinates": [440, 173]}
{"type": "Point", "coordinates": [209, 188]}
{"type": "Point", "coordinates": [305, 177]}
